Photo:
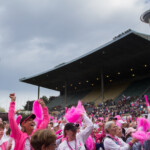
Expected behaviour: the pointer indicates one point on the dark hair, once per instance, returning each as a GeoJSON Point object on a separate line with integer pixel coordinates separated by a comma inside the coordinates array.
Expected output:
{"type": "Point", "coordinates": [70, 126]}
{"type": "Point", "coordinates": [8, 131]}
{"type": "Point", "coordinates": [42, 137]}
{"type": "Point", "coordinates": [51, 123]}
{"type": "Point", "coordinates": [1, 126]}
{"type": "Point", "coordinates": [77, 125]}
{"type": "Point", "coordinates": [27, 118]}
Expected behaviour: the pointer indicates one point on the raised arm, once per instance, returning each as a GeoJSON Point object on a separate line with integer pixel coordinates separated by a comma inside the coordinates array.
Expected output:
{"type": "Point", "coordinates": [11, 116]}
{"type": "Point", "coordinates": [45, 115]}
{"type": "Point", "coordinates": [87, 131]}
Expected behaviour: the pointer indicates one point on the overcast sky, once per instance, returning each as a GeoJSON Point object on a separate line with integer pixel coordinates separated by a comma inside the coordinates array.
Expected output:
{"type": "Point", "coordinates": [36, 35]}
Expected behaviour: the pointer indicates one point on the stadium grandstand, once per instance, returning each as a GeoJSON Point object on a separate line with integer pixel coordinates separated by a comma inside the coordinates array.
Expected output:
{"type": "Point", "coordinates": [119, 67]}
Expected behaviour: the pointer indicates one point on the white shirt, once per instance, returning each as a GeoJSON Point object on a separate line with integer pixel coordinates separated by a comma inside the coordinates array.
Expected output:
{"type": "Point", "coordinates": [27, 145]}
{"type": "Point", "coordinates": [81, 137]}
{"type": "Point", "coordinates": [109, 144]}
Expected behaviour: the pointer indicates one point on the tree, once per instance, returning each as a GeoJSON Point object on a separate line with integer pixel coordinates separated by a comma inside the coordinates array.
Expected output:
{"type": "Point", "coordinates": [2, 109]}
{"type": "Point", "coordinates": [45, 99]}
{"type": "Point", "coordinates": [28, 105]}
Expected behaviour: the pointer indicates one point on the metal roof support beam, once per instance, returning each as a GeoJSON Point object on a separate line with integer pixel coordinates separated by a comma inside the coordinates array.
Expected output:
{"type": "Point", "coordinates": [102, 85]}
{"type": "Point", "coordinates": [65, 93]}
{"type": "Point", "coordinates": [38, 92]}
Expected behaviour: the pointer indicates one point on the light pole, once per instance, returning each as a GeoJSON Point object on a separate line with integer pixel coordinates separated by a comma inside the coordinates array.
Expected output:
{"type": "Point", "coordinates": [145, 17]}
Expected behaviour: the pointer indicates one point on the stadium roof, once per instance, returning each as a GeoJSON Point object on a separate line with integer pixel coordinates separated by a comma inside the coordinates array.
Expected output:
{"type": "Point", "coordinates": [124, 56]}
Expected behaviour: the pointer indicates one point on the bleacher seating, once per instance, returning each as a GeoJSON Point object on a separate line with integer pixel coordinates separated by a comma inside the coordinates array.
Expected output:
{"type": "Point", "coordinates": [137, 88]}
{"type": "Point", "coordinates": [72, 99]}
{"type": "Point", "coordinates": [111, 92]}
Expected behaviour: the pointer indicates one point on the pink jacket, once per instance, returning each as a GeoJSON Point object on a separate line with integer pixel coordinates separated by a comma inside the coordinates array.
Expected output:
{"type": "Point", "coordinates": [18, 135]}
{"type": "Point", "coordinates": [3, 146]}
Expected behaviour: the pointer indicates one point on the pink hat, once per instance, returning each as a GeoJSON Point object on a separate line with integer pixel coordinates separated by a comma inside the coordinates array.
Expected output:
{"type": "Point", "coordinates": [130, 130]}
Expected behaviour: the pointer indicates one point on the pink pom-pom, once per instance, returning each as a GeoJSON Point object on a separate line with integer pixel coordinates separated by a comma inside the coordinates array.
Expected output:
{"type": "Point", "coordinates": [37, 110]}
{"type": "Point", "coordinates": [140, 136]}
{"type": "Point", "coordinates": [89, 143]}
{"type": "Point", "coordinates": [143, 124]}
{"type": "Point", "coordinates": [74, 114]}
{"type": "Point", "coordinates": [146, 99]}
{"type": "Point", "coordinates": [132, 104]}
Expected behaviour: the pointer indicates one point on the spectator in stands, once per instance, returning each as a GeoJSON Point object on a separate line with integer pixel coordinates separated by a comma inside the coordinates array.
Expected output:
{"type": "Point", "coordinates": [43, 140]}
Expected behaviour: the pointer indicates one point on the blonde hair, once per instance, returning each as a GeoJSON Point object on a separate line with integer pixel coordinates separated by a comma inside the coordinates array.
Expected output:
{"type": "Point", "coordinates": [108, 126]}
{"type": "Point", "coordinates": [42, 137]}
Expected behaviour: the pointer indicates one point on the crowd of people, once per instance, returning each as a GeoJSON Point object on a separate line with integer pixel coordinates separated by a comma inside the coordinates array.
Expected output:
{"type": "Point", "coordinates": [121, 125]}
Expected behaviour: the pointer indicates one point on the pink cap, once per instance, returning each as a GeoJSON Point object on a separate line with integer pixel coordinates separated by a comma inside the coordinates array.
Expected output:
{"type": "Point", "coordinates": [130, 130]}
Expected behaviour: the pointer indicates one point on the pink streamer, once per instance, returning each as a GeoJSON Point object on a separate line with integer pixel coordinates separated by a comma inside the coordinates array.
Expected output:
{"type": "Point", "coordinates": [58, 131]}
{"type": "Point", "coordinates": [146, 99]}
{"type": "Point", "coordinates": [92, 115]}
{"type": "Point", "coordinates": [60, 136]}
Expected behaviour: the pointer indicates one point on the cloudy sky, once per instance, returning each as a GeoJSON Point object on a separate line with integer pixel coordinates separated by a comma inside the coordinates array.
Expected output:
{"type": "Point", "coordinates": [36, 35]}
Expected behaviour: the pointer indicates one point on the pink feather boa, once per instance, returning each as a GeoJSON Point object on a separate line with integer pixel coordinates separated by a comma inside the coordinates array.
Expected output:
{"type": "Point", "coordinates": [140, 136]}
{"type": "Point", "coordinates": [143, 124]}
{"type": "Point", "coordinates": [74, 114]}
{"type": "Point", "coordinates": [37, 110]}
{"type": "Point", "coordinates": [90, 143]}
